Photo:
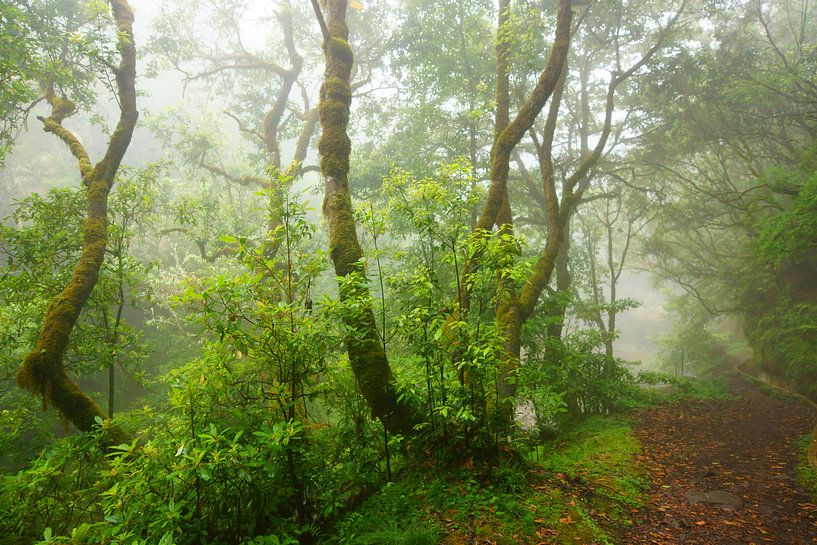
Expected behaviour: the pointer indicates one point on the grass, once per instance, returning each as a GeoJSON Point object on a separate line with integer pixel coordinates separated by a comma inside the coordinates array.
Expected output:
{"type": "Point", "coordinates": [584, 489]}
{"type": "Point", "coordinates": [806, 475]}
{"type": "Point", "coordinates": [393, 516]}
{"type": "Point", "coordinates": [663, 387]}
{"type": "Point", "coordinates": [599, 479]}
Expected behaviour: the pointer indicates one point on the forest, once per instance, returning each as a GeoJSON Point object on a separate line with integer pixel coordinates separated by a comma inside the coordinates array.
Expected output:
{"type": "Point", "coordinates": [410, 272]}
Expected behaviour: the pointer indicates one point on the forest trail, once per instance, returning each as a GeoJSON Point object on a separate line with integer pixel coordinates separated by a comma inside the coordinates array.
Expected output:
{"type": "Point", "coordinates": [723, 472]}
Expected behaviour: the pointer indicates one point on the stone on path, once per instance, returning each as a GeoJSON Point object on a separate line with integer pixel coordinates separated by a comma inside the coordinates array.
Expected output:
{"type": "Point", "coordinates": [716, 498]}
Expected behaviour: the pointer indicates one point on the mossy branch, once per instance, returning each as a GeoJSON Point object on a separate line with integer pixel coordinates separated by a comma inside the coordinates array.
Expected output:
{"type": "Point", "coordinates": [50, 124]}
{"type": "Point", "coordinates": [508, 139]}
{"type": "Point", "coordinates": [509, 136]}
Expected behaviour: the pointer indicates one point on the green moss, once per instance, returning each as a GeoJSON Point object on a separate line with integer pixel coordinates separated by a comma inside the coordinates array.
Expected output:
{"type": "Point", "coordinates": [583, 491]}
{"type": "Point", "coordinates": [61, 107]}
{"type": "Point", "coordinates": [31, 376]}
{"type": "Point", "coordinates": [336, 146]}
{"type": "Point", "coordinates": [337, 89]}
{"type": "Point", "coordinates": [366, 355]}
{"type": "Point", "coordinates": [52, 125]}
{"type": "Point", "coordinates": [340, 51]}
{"type": "Point", "coordinates": [42, 372]}
{"type": "Point", "coordinates": [333, 112]}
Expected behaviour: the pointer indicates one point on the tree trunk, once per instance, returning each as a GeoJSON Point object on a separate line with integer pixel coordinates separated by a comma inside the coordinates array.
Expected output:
{"type": "Point", "coordinates": [42, 371]}
{"type": "Point", "coordinates": [367, 356]}
{"type": "Point", "coordinates": [510, 133]}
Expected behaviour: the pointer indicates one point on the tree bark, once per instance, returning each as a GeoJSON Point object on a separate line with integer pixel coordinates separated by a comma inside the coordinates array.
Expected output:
{"type": "Point", "coordinates": [514, 310]}
{"type": "Point", "coordinates": [511, 135]}
{"type": "Point", "coordinates": [42, 371]}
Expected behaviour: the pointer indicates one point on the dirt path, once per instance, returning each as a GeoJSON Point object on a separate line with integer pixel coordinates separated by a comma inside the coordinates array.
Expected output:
{"type": "Point", "coordinates": [723, 472]}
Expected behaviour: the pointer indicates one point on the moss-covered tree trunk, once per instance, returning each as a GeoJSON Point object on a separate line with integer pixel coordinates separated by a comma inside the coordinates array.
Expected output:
{"type": "Point", "coordinates": [42, 371]}
{"type": "Point", "coordinates": [512, 134]}
{"type": "Point", "coordinates": [366, 353]}
{"type": "Point", "coordinates": [509, 133]}
{"type": "Point", "coordinates": [513, 308]}
{"type": "Point", "coordinates": [513, 311]}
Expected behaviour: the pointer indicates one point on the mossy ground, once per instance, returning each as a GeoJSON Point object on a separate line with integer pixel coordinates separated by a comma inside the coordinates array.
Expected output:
{"type": "Point", "coordinates": [806, 475]}
{"type": "Point", "coordinates": [584, 488]}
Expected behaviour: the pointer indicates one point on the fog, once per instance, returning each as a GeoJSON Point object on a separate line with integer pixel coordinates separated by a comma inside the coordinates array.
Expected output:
{"type": "Point", "coordinates": [294, 250]}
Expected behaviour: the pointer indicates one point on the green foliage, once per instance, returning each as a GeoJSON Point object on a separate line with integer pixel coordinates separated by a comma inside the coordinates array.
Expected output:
{"type": "Point", "coordinates": [218, 484]}
{"type": "Point", "coordinates": [59, 490]}
{"type": "Point", "coordinates": [788, 238]}
{"type": "Point", "coordinates": [589, 471]}
{"type": "Point", "coordinates": [448, 360]}
{"type": "Point", "coordinates": [806, 475]}
{"type": "Point", "coordinates": [681, 387]}
{"type": "Point", "coordinates": [16, 48]}
{"type": "Point", "coordinates": [780, 322]}
{"type": "Point", "coordinates": [444, 111]}
{"type": "Point", "coordinates": [392, 516]}
{"type": "Point", "coordinates": [579, 378]}
{"type": "Point", "coordinates": [264, 437]}
{"type": "Point", "coordinates": [738, 227]}
{"type": "Point", "coordinates": [66, 44]}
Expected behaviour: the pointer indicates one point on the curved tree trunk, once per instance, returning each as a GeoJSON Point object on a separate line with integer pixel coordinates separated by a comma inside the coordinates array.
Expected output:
{"type": "Point", "coordinates": [366, 353]}
{"type": "Point", "coordinates": [42, 371]}
{"type": "Point", "coordinates": [514, 309]}
{"type": "Point", "coordinates": [509, 133]}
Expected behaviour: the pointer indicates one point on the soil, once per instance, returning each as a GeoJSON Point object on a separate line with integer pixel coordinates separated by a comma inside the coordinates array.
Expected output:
{"type": "Point", "coordinates": [723, 472]}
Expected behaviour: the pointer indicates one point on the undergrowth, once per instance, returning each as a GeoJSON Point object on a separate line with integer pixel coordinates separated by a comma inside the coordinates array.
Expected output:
{"type": "Point", "coordinates": [581, 488]}
{"type": "Point", "coordinates": [660, 387]}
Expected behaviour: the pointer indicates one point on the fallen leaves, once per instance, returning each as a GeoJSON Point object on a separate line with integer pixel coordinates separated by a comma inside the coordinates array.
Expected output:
{"type": "Point", "coordinates": [745, 446]}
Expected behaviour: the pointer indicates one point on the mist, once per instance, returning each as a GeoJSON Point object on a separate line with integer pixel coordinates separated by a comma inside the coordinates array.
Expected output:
{"type": "Point", "coordinates": [415, 271]}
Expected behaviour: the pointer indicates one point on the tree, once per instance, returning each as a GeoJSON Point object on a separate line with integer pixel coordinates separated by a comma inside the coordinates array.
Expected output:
{"type": "Point", "coordinates": [742, 163]}
{"type": "Point", "coordinates": [42, 371]}
{"type": "Point", "coordinates": [518, 307]}
{"type": "Point", "coordinates": [613, 224]}
{"type": "Point", "coordinates": [367, 355]}
{"type": "Point", "coordinates": [247, 76]}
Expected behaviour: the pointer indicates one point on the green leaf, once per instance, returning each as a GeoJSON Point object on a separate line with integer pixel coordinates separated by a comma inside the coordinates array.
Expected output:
{"type": "Point", "coordinates": [167, 539]}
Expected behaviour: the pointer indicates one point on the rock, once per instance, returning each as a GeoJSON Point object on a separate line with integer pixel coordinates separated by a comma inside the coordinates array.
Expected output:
{"type": "Point", "coordinates": [717, 498]}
